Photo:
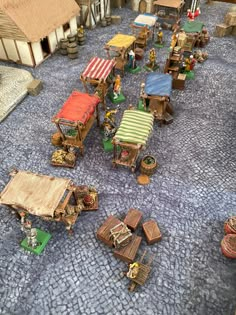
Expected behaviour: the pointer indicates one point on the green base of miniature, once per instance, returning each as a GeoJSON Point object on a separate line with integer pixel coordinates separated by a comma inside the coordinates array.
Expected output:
{"type": "Point", "coordinates": [120, 99]}
{"type": "Point", "coordinates": [133, 71]}
{"type": "Point", "coordinates": [140, 106]}
{"type": "Point", "coordinates": [189, 75]}
{"type": "Point", "coordinates": [151, 69]}
{"type": "Point", "coordinates": [107, 145]}
{"type": "Point", "coordinates": [42, 238]}
{"type": "Point", "coordinates": [159, 45]}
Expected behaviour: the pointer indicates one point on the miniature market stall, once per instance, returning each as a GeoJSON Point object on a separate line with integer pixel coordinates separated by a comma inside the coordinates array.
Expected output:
{"type": "Point", "coordinates": [131, 137]}
{"type": "Point", "coordinates": [47, 197]}
{"type": "Point", "coordinates": [73, 121]}
{"type": "Point", "coordinates": [120, 44]}
{"type": "Point", "coordinates": [170, 10]}
{"type": "Point", "coordinates": [98, 72]}
{"type": "Point", "coordinates": [155, 96]}
{"type": "Point", "coordinates": [148, 20]}
{"type": "Point", "coordinates": [196, 35]}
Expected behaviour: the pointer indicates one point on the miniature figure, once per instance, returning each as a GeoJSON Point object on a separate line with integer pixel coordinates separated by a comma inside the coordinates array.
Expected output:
{"type": "Point", "coordinates": [133, 270]}
{"type": "Point", "coordinates": [160, 37]}
{"type": "Point", "coordinates": [152, 64]}
{"type": "Point", "coordinates": [189, 63]}
{"type": "Point", "coordinates": [31, 233]}
{"type": "Point", "coordinates": [191, 15]}
{"type": "Point", "coordinates": [132, 60]}
{"type": "Point", "coordinates": [117, 87]}
{"type": "Point", "coordinates": [81, 30]}
{"type": "Point", "coordinates": [109, 125]}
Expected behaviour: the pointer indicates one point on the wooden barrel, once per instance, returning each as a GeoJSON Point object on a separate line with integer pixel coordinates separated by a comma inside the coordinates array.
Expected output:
{"type": "Point", "coordinates": [71, 38]}
{"type": "Point", "coordinates": [63, 46]}
{"type": "Point", "coordinates": [81, 39]}
{"type": "Point", "coordinates": [72, 50]}
{"type": "Point", "coordinates": [108, 20]}
{"type": "Point", "coordinates": [56, 139]}
{"type": "Point", "coordinates": [148, 165]}
{"type": "Point", "coordinates": [103, 22]}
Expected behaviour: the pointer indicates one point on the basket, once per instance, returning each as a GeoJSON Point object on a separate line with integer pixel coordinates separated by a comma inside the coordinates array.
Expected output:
{"type": "Point", "coordinates": [230, 225]}
{"type": "Point", "coordinates": [148, 165]}
{"type": "Point", "coordinates": [228, 246]}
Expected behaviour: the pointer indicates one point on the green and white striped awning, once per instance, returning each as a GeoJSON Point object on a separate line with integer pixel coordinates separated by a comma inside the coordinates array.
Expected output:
{"type": "Point", "coordinates": [135, 127]}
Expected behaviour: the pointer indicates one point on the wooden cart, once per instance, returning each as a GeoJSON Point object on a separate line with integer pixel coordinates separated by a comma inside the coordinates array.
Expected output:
{"type": "Point", "coordinates": [120, 45]}
{"type": "Point", "coordinates": [99, 72]}
{"type": "Point", "coordinates": [131, 137]}
{"type": "Point", "coordinates": [143, 272]}
{"type": "Point", "coordinates": [78, 114]}
{"type": "Point", "coordinates": [155, 96]}
{"type": "Point", "coordinates": [51, 198]}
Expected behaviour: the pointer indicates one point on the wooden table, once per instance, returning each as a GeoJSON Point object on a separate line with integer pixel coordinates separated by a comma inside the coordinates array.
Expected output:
{"type": "Point", "coordinates": [97, 73]}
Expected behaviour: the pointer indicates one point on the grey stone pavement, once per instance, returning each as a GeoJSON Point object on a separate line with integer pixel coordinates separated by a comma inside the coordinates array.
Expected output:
{"type": "Point", "coordinates": [190, 196]}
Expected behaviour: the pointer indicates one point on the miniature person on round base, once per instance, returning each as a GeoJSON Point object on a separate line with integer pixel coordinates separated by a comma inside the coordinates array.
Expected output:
{"type": "Point", "coordinates": [109, 125]}
{"type": "Point", "coordinates": [133, 270]}
{"type": "Point", "coordinates": [159, 41]}
{"type": "Point", "coordinates": [117, 87]}
{"type": "Point", "coordinates": [152, 65]}
{"type": "Point", "coordinates": [132, 61]}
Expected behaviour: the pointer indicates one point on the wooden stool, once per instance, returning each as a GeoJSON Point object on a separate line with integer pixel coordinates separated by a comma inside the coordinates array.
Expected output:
{"type": "Point", "coordinates": [133, 218]}
{"type": "Point", "coordinates": [128, 253]}
{"type": "Point", "coordinates": [151, 231]}
{"type": "Point", "coordinates": [103, 233]}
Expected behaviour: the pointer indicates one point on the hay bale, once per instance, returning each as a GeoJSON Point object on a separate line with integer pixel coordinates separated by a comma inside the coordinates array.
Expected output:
{"type": "Point", "coordinates": [223, 30]}
{"type": "Point", "coordinates": [230, 19]}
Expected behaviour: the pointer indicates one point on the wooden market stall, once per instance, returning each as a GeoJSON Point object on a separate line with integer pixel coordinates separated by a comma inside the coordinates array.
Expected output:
{"type": "Point", "coordinates": [142, 20]}
{"type": "Point", "coordinates": [120, 44]}
{"type": "Point", "coordinates": [155, 96]}
{"type": "Point", "coordinates": [196, 35]}
{"type": "Point", "coordinates": [51, 198]}
{"type": "Point", "coordinates": [75, 119]}
{"type": "Point", "coordinates": [131, 137]}
{"type": "Point", "coordinates": [169, 9]}
{"type": "Point", "coordinates": [98, 72]}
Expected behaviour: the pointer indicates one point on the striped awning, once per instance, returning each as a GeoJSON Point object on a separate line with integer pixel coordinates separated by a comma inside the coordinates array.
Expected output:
{"type": "Point", "coordinates": [98, 68]}
{"type": "Point", "coordinates": [135, 127]}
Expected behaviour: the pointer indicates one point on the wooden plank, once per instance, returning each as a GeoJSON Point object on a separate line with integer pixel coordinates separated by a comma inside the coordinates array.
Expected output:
{"type": "Point", "coordinates": [103, 233]}
{"type": "Point", "coordinates": [133, 218]}
{"type": "Point", "coordinates": [128, 253]}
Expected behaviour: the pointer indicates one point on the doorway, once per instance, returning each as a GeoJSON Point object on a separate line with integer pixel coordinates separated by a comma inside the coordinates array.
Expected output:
{"type": "Point", "coordinates": [45, 47]}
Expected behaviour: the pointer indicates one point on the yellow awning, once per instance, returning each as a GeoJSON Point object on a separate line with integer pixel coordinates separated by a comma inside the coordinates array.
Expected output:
{"type": "Point", "coordinates": [121, 40]}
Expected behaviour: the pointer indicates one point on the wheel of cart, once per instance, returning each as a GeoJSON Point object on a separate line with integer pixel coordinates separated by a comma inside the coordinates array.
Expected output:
{"type": "Point", "coordinates": [139, 272]}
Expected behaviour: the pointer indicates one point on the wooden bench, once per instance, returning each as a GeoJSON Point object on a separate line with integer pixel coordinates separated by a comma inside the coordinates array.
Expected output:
{"type": "Point", "coordinates": [133, 218]}
{"type": "Point", "coordinates": [152, 232]}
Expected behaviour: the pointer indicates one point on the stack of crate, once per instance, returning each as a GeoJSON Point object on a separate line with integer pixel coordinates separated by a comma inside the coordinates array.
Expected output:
{"type": "Point", "coordinates": [229, 25]}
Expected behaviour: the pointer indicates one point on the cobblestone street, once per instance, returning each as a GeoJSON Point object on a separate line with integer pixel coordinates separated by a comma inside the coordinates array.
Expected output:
{"type": "Point", "coordinates": [190, 196]}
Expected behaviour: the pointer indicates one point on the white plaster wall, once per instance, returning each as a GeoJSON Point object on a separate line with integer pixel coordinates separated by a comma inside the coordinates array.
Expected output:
{"type": "Point", "coordinates": [24, 52]}
{"type": "Point", "coordinates": [2, 52]}
{"type": "Point", "coordinates": [73, 25]}
{"type": "Point", "coordinates": [135, 5]}
{"type": "Point", "coordinates": [37, 51]}
{"type": "Point", "coordinates": [10, 47]}
{"type": "Point", "coordinates": [52, 39]}
{"type": "Point", "coordinates": [60, 33]}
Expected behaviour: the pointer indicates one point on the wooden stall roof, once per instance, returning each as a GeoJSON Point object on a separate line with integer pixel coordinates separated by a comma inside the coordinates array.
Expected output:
{"type": "Point", "coordinates": [37, 20]}
{"type": "Point", "coordinates": [121, 40]}
{"type": "Point", "coordinates": [169, 3]}
{"type": "Point", "coordinates": [98, 68]}
{"type": "Point", "coordinates": [79, 107]}
{"type": "Point", "coordinates": [38, 194]}
{"type": "Point", "coordinates": [135, 127]}
{"type": "Point", "coordinates": [193, 26]}
{"type": "Point", "coordinates": [145, 19]}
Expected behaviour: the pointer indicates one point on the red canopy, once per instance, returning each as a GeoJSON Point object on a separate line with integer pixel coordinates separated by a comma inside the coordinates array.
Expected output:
{"type": "Point", "coordinates": [98, 68]}
{"type": "Point", "coordinates": [79, 107]}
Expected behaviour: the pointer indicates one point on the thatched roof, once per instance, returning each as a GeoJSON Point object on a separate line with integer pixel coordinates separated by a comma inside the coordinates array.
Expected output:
{"type": "Point", "coordinates": [36, 19]}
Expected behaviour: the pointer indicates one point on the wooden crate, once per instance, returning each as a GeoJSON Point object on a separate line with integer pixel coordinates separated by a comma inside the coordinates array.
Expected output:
{"type": "Point", "coordinates": [230, 19]}
{"type": "Point", "coordinates": [128, 253]}
{"type": "Point", "coordinates": [223, 30]}
{"type": "Point", "coordinates": [152, 232]}
{"type": "Point", "coordinates": [133, 218]}
{"type": "Point", "coordinates": [120, 235]}
{"type": "Point", "coordinates": [35, 87]}
{"type": "Point", "coordinates": [115, 19]}
{"type": "Point", "coordinates": [103, 233]}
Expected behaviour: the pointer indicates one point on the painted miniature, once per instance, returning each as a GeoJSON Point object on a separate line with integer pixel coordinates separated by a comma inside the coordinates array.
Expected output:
{"type": "Point", "coordinates": [189, 63]}
{"type": "Point", "coordinates": [132, 60]}
{"type": "Point", "coordinates": [117, 86]}
{"type": "Point", "coordinates": [31, 233]}
{"type": "Point", "coordinates": [152, 64]}
{"type": "Point", "coordinates": [192, 15]}
{"type": "Point", "coordinates": [109, 124]}
{"type": "Point", "coordinates": [159, 41]}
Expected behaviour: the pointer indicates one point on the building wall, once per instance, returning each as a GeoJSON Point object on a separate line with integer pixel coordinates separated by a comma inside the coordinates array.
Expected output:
{"type": "Point", "coordinates": [135, 5]}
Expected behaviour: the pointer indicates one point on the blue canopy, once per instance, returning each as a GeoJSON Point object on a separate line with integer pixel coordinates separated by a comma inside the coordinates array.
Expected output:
{"type": "Point", "coordinates": [158, 84]}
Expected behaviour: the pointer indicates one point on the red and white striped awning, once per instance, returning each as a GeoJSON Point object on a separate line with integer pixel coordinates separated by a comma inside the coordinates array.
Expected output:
{"type": "Point", "coordinates": [98, 68]}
